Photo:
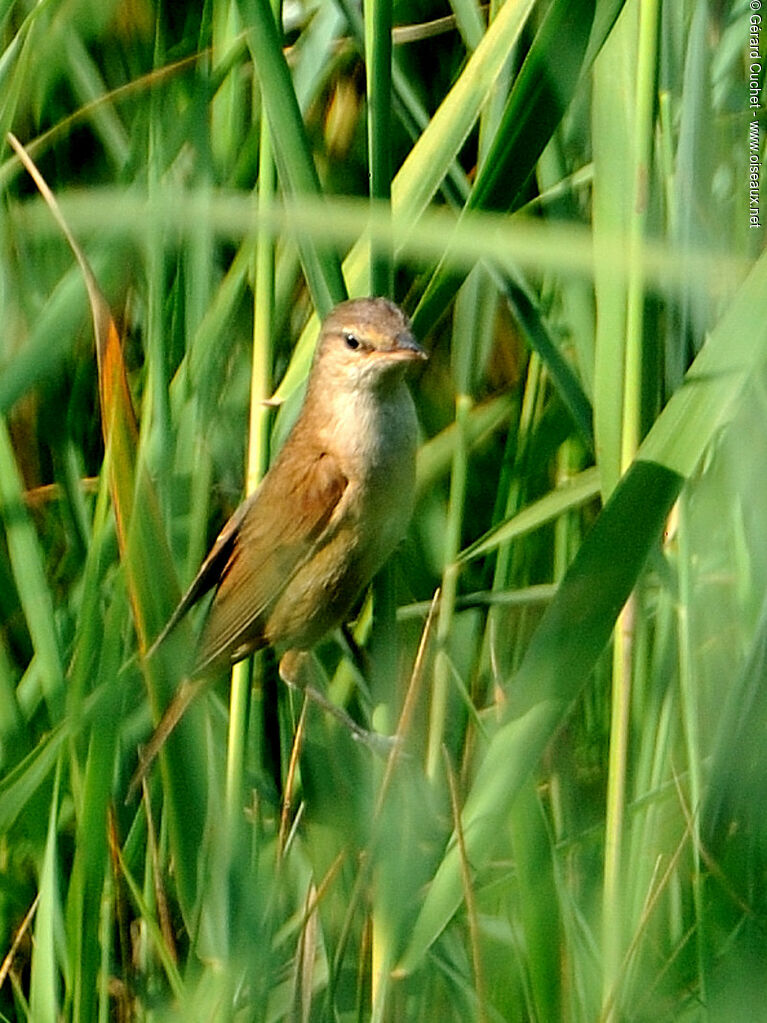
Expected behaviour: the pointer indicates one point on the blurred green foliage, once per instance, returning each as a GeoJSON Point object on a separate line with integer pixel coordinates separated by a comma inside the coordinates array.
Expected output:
{"type": "Point", "coordinates": [568, 228]}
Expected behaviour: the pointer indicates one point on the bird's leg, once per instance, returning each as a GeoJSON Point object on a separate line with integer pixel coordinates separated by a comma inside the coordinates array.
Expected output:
{"type": "Point", "coordinates": [294, 671]}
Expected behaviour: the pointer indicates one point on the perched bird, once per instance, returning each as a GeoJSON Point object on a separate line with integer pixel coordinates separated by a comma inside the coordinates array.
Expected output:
{"type": "Point", "coordinates": [292, 560]}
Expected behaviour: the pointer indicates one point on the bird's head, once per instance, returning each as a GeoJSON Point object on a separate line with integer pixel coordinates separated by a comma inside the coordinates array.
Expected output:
{"type": "Point", "coordinates": [365, 343]}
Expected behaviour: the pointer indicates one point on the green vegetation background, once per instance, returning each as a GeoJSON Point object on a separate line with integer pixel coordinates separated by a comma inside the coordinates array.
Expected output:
{"type": "Point", "coordinates": [571, 825]}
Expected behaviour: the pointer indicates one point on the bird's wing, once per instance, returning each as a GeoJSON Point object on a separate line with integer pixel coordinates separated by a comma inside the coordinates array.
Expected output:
{"type": "Point", "coordinates": [275, 532]}
{"type": "Point", "coordinates": [268, 537]}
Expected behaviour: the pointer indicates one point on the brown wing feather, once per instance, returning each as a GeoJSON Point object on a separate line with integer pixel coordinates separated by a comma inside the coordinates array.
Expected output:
{"type": "Point", "coordinates": [280, 527]}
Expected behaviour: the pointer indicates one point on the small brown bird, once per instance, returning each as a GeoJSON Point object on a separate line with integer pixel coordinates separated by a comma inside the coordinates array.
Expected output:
{"type": "Point", "coordinates": [292, 560]}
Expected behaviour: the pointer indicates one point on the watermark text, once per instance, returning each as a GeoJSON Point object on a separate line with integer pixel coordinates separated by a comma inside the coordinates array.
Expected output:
{"type": "Point", "coordinates": [754, 95]}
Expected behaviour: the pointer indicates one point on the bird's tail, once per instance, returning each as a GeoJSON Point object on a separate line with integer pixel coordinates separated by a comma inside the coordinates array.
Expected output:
{"type": "Point", "coordinates": [186, 692]}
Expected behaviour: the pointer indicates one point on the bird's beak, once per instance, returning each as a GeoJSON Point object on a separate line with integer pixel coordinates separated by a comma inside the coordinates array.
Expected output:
{"type": "Point", "coordinates": [405, 347]}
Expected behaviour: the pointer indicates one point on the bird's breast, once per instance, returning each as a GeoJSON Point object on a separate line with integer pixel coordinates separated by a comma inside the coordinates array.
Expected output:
{"type": "Point", "coordinates": [374, 436]}
{"type": "Point", "coordinates": [374, 446]}
{"type": "Point", "coordinates": [382, 460]}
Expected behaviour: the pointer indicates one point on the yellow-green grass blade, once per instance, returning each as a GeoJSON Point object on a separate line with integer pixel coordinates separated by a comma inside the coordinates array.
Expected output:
{"type": "Point", "coordinates": [43, 983]}
{"type": "Point", "coordinates": [612, 119]}
{"type": "Point", "coordinates": [378, 67]}
{"type": "Point", "coordinates": [436, 453]}
{"type": "Point", "coordinates": [569, 495]}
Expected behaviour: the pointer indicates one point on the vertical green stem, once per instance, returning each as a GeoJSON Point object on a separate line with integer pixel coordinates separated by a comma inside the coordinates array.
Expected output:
{"type": "Point", "coordinates": [690, 718]}
{"type": "Point", "coordinates": [473, 320]}
{"type": "Point", "coordinates": [441, 687]}
{"type": "Point", "coordinates": [298, 174]}
{"type": "Point", "coordinates": [510, 492]}
{"type": "Point", "coordinates": [155, 423]}
{"type": "Point", "coordinates": [613, 931]}
{"type": "Point", "coordinates": [226, 106]}
{"type": "Point", "coordinates": [378, 57]}
{"type": "Point", "coordinates": [646, 68]}
{"type": "Point", "coordinates": [260, 386]}
{"type": "Point", "coordinates": [613, 918]}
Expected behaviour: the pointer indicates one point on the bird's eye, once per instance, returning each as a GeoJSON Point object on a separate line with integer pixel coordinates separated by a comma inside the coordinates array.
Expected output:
{"type": "Point", "coordinates": [351, 341]}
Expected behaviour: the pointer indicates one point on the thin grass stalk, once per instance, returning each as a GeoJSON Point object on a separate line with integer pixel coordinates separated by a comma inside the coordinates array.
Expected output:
{"type": "Point", "coordinates": [154, 416]}
{"type": "Point", "coordinates": [509, 500]}
{"type": "Point", "coordinates": [408, 706]}
{"type": "Point", "coordinates": [145, 955]}
{"type": "Point", "coordinates": [202, 292]}
{"type": "Point", "coordinates": [236, 749]}
{"type": "Point", "coordinates": [43, 982]}
{"type": "Point", "coordinates": [368, 859]}
{"type": "Point", "coordinates": [653, 705]}
{"type": "Point", "coordinates": [293, 156]}
{"type": "Point", "coordinates": [380, 970]}
{"type": "Point", "coordinates": [290, 781]}
{"type": "Point", "coordinates": [106, 965]}
{"type": "Point", "coordinates": [442, 671]}
{"type": "Point", "coordinates": [257, 461]}
{"type": "Point", "coordinates": [468, 893]}
{"type": "Point", "coordinates": [383, 662]}
{"type": "Point", "coordinates": [566, 534]}
{"type": "Point", "coordinates": [154, 936]}
{"type": "Point", "coordinates": [690, 714]}
{"type": "Point", "coordinates": [469, 22]}
{"type": "Point", "coordinates": [544, 939]}
{"type": "Point", "coordinates": [378, 70]}
{"type": "Point", "coordinates": [11, 718]}
{"type": "Point", "coordinates": [257, 458]}
{"type": "Point", "coordinates": [650, 767]}
{"type": "Point", "coordinates": [643, 134]}
{"type": "Point", "coordinates": [377, 38]}
{"type": "Point", "coordinates": [226, 105]}
{"type": "Point", "coordinates": [362, 985]}
{"type": "Point", "coordinates": [613, 904]}
{"type": "Point", "coordinates": [610, 112]}
{"type": "Point", "coordinates": [470, 330]}
{"type": "Point", "coordinates": [94, 790]}
{"type": "Point", "coordinates": [159, 894]}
